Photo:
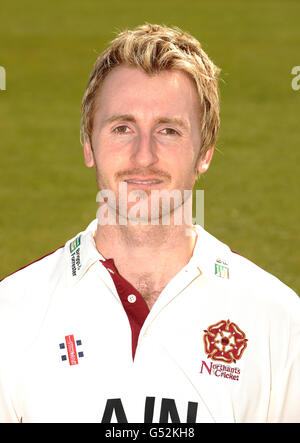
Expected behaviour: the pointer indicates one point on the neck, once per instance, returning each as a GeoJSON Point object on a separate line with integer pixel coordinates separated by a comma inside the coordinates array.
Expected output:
{"type": "Point", "coordinates": [117, 241]}
{"type": "Point", "coordinates": [147, 255]}
{"type": "Point", "coordinates": [168, 234]}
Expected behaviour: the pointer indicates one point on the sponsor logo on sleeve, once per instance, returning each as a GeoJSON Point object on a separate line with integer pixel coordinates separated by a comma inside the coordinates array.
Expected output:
{"type": "Point", "coordinates": [75, 243]}
{"type": "Point", "coordinates": [75, 255]}
{"type": "Point", "coordinates": [221, 269]}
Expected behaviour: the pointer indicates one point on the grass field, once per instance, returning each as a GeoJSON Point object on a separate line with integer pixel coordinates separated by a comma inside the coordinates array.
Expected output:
{"type": "Point", "coordinates": [252, 187]}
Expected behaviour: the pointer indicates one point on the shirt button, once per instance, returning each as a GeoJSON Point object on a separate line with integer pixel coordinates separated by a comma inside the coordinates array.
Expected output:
{"type": "Point", "coordinates": [131, 298]}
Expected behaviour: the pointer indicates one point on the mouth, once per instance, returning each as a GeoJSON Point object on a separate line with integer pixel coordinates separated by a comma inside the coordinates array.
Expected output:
{"type": "Point", "coordinates": [141, 182]}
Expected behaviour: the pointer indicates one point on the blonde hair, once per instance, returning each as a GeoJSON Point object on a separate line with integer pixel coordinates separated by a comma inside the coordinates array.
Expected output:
{"type": "Point", "coordinates": [156, 48]}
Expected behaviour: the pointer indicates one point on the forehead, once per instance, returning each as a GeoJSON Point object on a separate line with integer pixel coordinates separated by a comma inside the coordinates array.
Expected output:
{"type": "Point", "coordinates": [129, 89]}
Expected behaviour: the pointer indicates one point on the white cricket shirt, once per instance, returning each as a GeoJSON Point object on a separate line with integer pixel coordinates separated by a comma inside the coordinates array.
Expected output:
{"type": "Point", "coordinates": [78, 343]}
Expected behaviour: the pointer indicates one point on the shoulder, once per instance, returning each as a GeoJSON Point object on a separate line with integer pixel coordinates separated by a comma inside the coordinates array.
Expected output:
{"type": "Point", "coordinates": [55, 271]}
{"type": "Point", "coordinates": [228, 266]}
{"type": "Point", "coordinates": [25, 294]}
{"type": "Point", "coordinates": [55, 267]}
{"type": "Point", "coordinates": [262, 282]}
{"type": "Point", "coordinates": [34, 273]}
{"type": "Point", "coordinates": [280, 303]}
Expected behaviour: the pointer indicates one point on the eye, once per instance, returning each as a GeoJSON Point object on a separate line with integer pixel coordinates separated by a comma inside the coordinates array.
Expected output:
{"type": "Point", "coordinates": [169, 131]}
{"type": "Point", "coordinates": [122, 129]}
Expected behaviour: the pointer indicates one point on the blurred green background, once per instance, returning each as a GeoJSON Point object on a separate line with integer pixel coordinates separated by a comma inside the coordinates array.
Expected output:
{"type": "Point", "coordinates": [48, 49]}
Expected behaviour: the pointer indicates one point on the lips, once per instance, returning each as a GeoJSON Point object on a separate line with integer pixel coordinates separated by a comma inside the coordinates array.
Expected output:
{"type": "Point", "coordinates": [144, 181]}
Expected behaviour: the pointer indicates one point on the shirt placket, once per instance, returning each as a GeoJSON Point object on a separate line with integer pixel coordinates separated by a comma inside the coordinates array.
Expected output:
{"type": "Point", "coordinates": [133, 302]}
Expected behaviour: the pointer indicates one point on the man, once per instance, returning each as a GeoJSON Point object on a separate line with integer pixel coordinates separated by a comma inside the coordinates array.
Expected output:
{"type": "Point", "coordinates": [144, 317]}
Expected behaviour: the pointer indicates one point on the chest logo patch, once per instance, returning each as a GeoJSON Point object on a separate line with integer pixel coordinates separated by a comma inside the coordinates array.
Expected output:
{"type": "Point", "coordinates": [224, 341]}
{"type": "Point", "coordinates": [70, 350]}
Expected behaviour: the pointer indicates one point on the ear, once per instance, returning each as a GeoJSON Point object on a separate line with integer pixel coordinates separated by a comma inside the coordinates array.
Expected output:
{"type": "Point", "coordinates": [88, 154]}
{"type": "Point", "coordinates": [204, 161]}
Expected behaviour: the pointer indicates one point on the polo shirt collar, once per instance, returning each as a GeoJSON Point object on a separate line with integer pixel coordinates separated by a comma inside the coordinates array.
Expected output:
{"type": "Point", "coordinates": [81, 253]}
{"type": "Point", "coordinates": [209, 252]}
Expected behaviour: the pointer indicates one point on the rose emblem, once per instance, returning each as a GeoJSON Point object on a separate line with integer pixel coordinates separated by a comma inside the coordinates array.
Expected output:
{"type": "Point", "coordinates": [224, 341]}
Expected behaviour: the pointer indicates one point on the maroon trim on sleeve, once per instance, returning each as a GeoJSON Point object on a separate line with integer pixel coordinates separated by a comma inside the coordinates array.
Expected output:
{"type": "Point", "coordinates": [136, 310]}
{"type": "Point", "coordinates": [236, 252]}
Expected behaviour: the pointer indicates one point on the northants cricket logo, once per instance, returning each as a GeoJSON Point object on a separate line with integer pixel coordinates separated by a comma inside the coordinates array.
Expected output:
{"type": "Point", "coordinates": [224, 341]}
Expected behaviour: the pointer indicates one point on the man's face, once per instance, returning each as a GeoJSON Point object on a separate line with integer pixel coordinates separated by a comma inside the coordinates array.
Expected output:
{"type": "Point", "coordinates": [146, 132]}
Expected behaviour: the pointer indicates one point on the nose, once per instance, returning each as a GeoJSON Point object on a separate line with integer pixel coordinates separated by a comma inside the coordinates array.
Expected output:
{"type": "Point", "coordinates": [144, 153]}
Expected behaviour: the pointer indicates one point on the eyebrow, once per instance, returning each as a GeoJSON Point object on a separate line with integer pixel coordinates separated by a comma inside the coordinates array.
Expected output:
{"type": "Point", "coordinates": [174, 120]}
{"type": "Point", "coordinates": [162, 120]}
{"type": "Point", "coordinates": [119, 117]}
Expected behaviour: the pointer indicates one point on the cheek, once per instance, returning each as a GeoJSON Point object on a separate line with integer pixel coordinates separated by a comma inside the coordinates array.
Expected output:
{"type": "Point", "coordinates": [184, 178]}
{"type": "Point", "coordinates": [187, 168]}
{"type": "Point", "coordinates": [108, 152]}
{"type": "Point", "coordinates": [108, 165]}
